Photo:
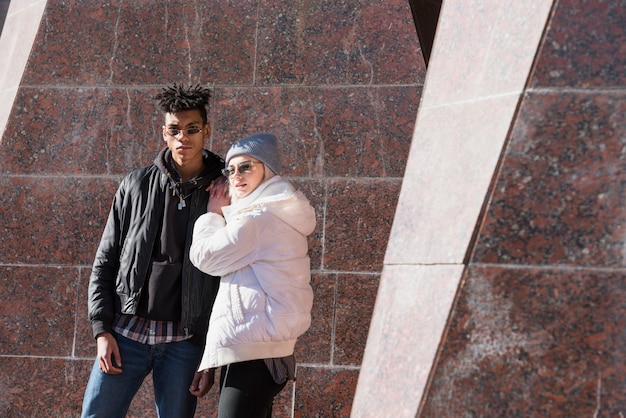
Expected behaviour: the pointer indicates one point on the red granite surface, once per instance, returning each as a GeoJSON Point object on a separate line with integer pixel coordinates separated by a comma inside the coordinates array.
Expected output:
{"type": "Point", "coordinates": [343, 101]}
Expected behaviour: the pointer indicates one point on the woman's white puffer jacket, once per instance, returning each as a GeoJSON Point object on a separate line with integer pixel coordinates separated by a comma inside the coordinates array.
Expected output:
{"type": "Point", "coordinates": [260, 250]}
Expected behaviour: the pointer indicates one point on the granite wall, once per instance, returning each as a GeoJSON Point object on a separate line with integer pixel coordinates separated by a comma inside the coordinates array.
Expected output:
{"type": "Point", "coordinates": [338, 81]}
{"type": "Point", "coordinates": [503, 292]}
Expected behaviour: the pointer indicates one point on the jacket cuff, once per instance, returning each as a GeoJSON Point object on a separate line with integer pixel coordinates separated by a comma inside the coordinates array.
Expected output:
{"type": "Point", "coordinates": [100, 327]}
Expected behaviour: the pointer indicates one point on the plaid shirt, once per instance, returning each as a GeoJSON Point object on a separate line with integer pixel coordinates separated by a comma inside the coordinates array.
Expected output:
{"type": "Point", "coordinates": [147, 331]}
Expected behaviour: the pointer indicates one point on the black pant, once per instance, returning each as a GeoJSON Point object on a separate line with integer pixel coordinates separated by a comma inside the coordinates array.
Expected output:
{"type": "Point", "coordinates": [247, 390]}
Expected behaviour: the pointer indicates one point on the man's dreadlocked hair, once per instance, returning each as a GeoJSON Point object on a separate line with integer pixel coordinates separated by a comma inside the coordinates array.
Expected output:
{"type": "Point", "coordinates": [178, 98]}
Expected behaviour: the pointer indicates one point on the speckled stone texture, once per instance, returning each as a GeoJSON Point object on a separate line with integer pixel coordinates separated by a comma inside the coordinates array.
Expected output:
{"type": "Point", "coordinates": [559, 197]}
{"type": "Point", "coordinates": [533, 342]}
{"type": "Point", "coordinates": [539, 327]}
{"type": "Point", "coordinates": [338, 81]}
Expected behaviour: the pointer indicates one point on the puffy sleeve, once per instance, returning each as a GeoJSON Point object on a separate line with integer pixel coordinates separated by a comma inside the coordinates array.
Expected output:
{"type": "Point", "coordinates": [219, 248]}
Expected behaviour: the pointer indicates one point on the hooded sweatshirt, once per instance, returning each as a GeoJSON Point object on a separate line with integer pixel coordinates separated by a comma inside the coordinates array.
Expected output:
{"type": "Point", "coordinates": [127, 249]}
{"type": "Point", "coordinates": [260, 249]}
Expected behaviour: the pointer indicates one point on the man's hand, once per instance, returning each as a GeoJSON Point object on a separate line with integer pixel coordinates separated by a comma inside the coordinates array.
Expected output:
{"type": "Point", "coordinates": [108, 356]}
{"type": "Point", "coordinates": [218, 187]}
{"type": "Point", "coordinates": [202, 382]}
{"type": "Point", "coordinates": [219, 195]}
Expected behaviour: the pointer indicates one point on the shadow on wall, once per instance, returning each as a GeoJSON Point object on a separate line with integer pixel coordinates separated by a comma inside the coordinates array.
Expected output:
{"type": "Point", "coordinates": [4, 8]}
{"type": "Point", "coordinates": [425, 15]}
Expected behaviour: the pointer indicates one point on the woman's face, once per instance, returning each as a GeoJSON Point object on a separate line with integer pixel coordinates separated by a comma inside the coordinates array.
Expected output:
{"type": "Point", "coordinates": [245, 175]}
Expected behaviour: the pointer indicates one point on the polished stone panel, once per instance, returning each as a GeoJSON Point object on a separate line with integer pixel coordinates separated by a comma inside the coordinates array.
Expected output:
{"type": "Point", "coordinates": [366, 131]}
{"type": "Point", "coordinates": [533, 342]}
{"type": "Point", "coordinates": [470, 98]}
{"type": "Point", "coordinates": [455, 150]}
{"type": "Point", "coordinates": [148, 43]}
{"type": "Point", "coordinates": [329, 392]}
{"type": "Point", "coordinates": [411, 311]}
{"type": "Point", "coordinates": [583, 46]}
{"type": "Point", "coordinates": [84, 342]}
{"type": "Point", "coordinates": [337, 42]}
{"type": "Point", "coordinates": [92, 130]}
{"type": "Point", "coordinates": [356, 295]}
{"type": "Point", "coordinates": [559, 199]}
{"type": "Point", "coordinates": [340, 86]}
{"type": "Point", "coordinates": [537, 326]}
{"type": "Point", "coordinates": [483, 48]}
{"type": "Point", "coordinates": [283, 402]}
{"type": "Point", "coordinates": [53, 220]}
{"type": "Point", "coordinates": [358, 220]}
{"type": "Point", "coordinates": [42, 387]}
{"type": "Point", "coordinates": [38, 310]}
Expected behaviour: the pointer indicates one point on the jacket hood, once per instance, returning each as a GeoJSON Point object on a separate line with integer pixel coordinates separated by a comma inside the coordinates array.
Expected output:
{"type": "Point", "coordinates": [212, 166]}
{"type": "Point", "coordinates": [281, 199]}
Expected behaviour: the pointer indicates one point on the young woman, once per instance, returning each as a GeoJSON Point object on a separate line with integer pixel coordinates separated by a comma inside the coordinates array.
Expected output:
{"type": "Point", "coordinates": [256, 240]}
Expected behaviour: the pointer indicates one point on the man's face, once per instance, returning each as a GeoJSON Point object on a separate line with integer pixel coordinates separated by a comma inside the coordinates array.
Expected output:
{"type": "Point", "coordinates": [186, 147]}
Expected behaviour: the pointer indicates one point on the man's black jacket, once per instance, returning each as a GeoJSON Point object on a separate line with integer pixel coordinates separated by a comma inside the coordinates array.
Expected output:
{"type": "Point", "coordinates": [124, 254]}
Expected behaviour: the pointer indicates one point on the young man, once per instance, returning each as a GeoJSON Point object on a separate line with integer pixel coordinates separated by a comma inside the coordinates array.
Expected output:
{"type": "Point", "coordinates": [148, 305]}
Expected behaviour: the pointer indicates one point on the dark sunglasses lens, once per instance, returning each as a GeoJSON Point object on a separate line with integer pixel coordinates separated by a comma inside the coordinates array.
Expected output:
{"type": "Point", "coordinates": [176, 132]}
{"type": "Point", "coordinates": [242, 168]}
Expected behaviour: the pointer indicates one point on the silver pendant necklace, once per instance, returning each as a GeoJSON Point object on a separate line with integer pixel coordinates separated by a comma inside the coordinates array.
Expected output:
{"type": "Point", "coordinates": [181, 198]}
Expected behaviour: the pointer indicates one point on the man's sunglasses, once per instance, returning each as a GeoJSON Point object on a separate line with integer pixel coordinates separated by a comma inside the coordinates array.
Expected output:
{"type": "Point", "coordinates": [175, 131]}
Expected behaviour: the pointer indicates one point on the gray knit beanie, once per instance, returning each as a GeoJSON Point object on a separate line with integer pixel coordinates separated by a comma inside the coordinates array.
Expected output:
{"type": "Point", "coordinates": [263, 147]}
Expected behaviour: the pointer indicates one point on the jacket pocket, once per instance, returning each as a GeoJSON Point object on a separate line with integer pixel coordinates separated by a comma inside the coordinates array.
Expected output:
{"type": "Point", "coordinates": [237, 306]}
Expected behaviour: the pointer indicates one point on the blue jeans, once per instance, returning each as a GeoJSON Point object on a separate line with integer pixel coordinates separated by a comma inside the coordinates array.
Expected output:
{"type": "Point", "coordinates": [173, 366]}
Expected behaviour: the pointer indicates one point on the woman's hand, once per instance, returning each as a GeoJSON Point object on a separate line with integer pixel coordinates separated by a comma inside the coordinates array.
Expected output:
{"type": "Point", "coordinates": [202, 382]}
